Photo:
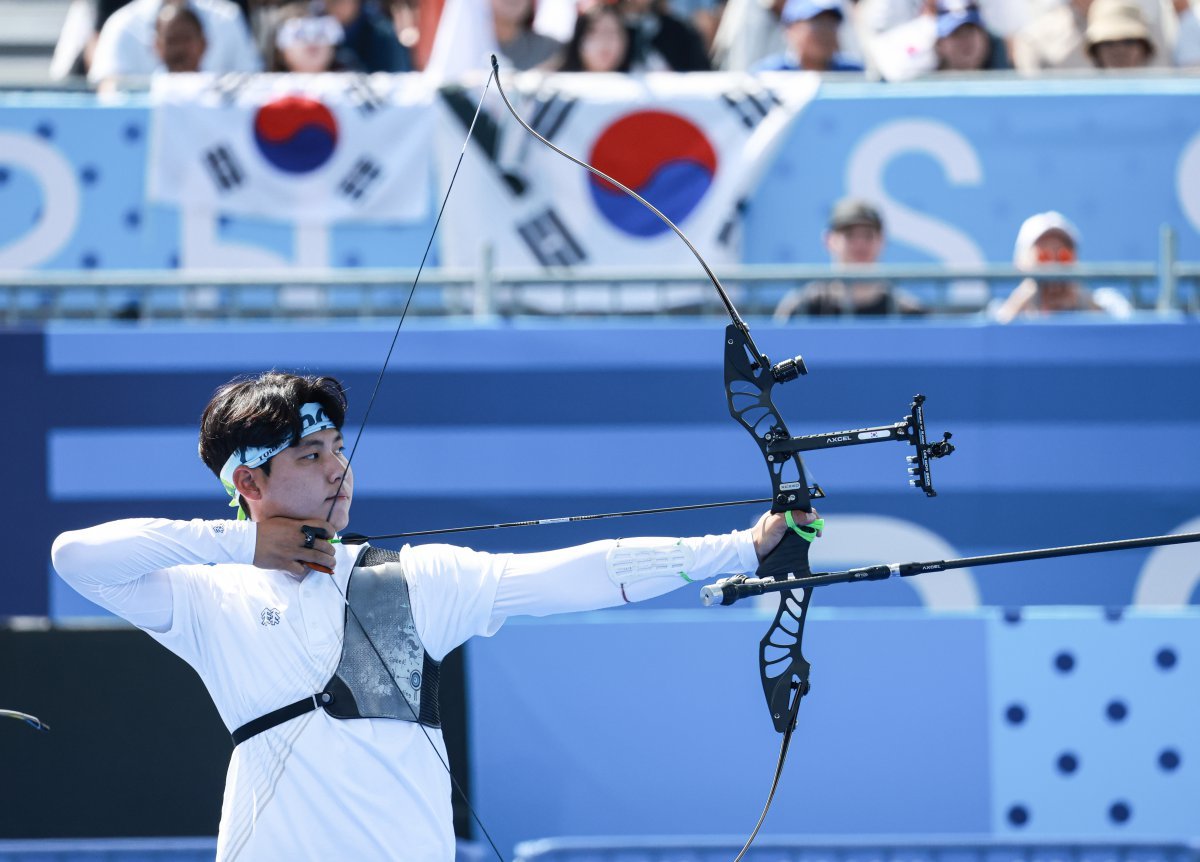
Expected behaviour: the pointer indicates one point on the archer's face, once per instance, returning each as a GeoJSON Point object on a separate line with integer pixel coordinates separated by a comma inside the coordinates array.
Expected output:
{"type": "Point", "coordinates": [304, 481]}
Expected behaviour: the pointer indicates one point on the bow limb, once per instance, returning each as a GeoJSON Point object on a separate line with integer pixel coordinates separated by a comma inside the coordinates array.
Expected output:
{"type": "Point", "coordinates": [749, 379]}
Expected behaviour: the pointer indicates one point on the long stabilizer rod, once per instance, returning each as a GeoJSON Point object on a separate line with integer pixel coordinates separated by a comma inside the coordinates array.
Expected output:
{"type": "Point", "coordinates": [729, 590]}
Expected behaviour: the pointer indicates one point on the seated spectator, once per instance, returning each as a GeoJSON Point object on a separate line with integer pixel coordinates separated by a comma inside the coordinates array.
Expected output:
{"type": "Point", "coordinates": [369, 43]}
{"type": "Point", "coordinates": [855, 238]}
{"type": "Point", "coordinates": [662, 42]}
{"type": "Point", "coordinates": [126, 45]}
{"type": "Point", "coordinates": [521, 46]}
{"type": "Point", "coordinates": [1117, 35]}
{"type": "Point", "coordinates": [811, 33]}
{"type": "Point", "coordinates": [963, 43]}
{"type": "Point", "coordinates": [179, 39]}
{"type": "Point", "coordinates": [1055, 38]}
{"type": "Point", "coordinates": [1049, 239]}
{"type": "Point", "coordinates": [600, 43]}
{"type": "Point", "coordinates": [304, 43]}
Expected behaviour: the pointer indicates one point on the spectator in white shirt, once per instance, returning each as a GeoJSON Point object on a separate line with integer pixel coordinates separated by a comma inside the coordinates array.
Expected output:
{"type": "Point", "coordinates": [126, 46]}
{"type": "Point", "coordinates": [179, 39]}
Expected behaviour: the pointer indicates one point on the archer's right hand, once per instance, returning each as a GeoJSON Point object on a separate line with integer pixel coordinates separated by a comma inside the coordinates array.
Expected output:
{"type": "Point", "coordinates": [279, 545]}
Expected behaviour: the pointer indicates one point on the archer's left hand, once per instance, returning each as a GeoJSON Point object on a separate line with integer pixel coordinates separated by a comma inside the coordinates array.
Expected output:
{"type": "Point", "coordinates": [769, 530]}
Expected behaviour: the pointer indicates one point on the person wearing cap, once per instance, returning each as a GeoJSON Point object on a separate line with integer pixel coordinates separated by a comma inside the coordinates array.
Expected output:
{"type": "Point", "coordinates": [811, 34]}
{"type": "Point", "coordinates": [1118, 36]}
{"type": "Point", "coordinates": [1050, 239]}
{"type": "Point", "coordinates": [963, 43]}
{"type": "Point", "coordinates": [338, 750]}
{"type": "Point", "coordinates": [855, 239]}
{"type": "Point", "coordinates": [1056, 38]}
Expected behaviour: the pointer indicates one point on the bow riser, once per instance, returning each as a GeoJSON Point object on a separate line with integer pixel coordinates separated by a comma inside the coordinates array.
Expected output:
{"type": "Point", "coordinates": [749, 381]}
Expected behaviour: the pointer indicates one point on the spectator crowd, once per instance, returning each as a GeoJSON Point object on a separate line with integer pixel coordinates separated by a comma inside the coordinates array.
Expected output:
{"type": "Point", "coordinates": [114, 40]}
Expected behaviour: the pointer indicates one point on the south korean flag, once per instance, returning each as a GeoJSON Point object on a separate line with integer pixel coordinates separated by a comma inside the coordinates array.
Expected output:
{"type": "Point", "coordinates": [694, 146]}
{"type": "Point", "coordinates": [303, 148]}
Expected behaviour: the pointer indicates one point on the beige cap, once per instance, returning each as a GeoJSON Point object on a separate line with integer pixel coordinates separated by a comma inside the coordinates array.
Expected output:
{"type": "Point", "coordinates": [1112, 20]}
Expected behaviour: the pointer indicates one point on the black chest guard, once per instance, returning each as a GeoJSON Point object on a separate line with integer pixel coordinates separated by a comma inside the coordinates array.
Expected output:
{"type": "Point", "coordinates": [362, 686]}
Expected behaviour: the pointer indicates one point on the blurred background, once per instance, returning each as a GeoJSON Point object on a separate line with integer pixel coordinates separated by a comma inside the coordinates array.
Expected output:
{"type": "Point", "coordinates": [996, 205]}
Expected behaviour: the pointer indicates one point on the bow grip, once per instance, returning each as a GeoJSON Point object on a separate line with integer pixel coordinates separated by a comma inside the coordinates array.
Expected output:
{"type": "Point", "coordinates": [782, 666]}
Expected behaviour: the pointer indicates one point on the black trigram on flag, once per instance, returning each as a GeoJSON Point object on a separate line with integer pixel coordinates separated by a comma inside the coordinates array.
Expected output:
{"type": "Point", "coordinates": [360, 177]}
{"type": "Point", "coordinates": [550, 241]}
{"type": "Point", "coordinates": [223, 167]}
{"type": "Point", "coordinates": [751, 108]}
{"type": "Point", "coordinates": [363, 96]}
{"type": "Point", "coordinates": [550, 113]}
{"type": "Point", "coordinates": [546, 117]}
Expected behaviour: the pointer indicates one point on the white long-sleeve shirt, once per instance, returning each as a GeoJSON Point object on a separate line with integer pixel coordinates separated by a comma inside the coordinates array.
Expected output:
{"type": "Point", "coordinates": [317, 787]}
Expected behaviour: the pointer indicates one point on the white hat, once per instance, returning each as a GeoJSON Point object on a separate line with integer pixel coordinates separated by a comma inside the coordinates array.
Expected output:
{"type": "Point", "coordinates": [1037, 226]}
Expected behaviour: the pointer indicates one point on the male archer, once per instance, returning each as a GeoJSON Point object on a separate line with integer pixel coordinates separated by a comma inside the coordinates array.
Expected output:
{"type": "Point", "coordinates": [328, 683]}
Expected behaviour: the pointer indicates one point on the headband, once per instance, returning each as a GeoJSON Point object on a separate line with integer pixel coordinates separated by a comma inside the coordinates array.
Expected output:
{"type": "Point", "coordinates": [312, 420]}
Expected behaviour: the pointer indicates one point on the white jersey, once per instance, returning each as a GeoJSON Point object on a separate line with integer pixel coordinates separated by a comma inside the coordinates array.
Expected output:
{"type": "Point", "coordinates": [317, 787]}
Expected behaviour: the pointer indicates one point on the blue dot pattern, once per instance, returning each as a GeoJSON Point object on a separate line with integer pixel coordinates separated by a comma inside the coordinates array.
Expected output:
{"type": "Point", "coordinates": [1094, 720]}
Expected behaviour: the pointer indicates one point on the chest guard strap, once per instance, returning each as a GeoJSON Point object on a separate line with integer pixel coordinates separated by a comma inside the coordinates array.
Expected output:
{"type": "Point", "coordinates": [362, 687]}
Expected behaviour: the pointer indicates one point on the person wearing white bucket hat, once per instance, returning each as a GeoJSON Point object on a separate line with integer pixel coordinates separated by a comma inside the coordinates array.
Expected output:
{"type": "Point", "coordinates": [1050, 239]}
{"type": "Point", "coordinates": [1118, 36]}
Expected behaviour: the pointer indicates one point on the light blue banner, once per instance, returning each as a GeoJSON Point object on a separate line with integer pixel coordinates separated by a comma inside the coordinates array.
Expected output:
{"type": "Point", "coordinates": [956, 167]}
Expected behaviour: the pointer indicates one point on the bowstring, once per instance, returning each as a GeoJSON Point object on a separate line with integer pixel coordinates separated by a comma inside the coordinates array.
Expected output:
{"type": "Point", "coordinates": [354, 448]}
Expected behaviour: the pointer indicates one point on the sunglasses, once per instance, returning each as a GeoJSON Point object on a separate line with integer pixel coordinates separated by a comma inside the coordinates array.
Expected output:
{"type": "Point", "coordinates": [316, 30]}
{"type": "Point", "coordinates": [1063, 255]}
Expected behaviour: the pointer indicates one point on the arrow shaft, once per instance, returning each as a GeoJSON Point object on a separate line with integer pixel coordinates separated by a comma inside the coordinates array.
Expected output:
{"type": "Point", "coordinates": [542, 522]}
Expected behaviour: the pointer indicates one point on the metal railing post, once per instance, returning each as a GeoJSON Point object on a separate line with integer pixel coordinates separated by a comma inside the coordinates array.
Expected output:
{"type": "Point", "coordinates": [485, 284]}
{"type": "Point", "coordinates": [1167, 283]}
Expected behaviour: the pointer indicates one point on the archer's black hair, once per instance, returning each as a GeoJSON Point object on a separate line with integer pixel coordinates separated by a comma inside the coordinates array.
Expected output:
{"type": "Point", "coordinates": [263, 410]}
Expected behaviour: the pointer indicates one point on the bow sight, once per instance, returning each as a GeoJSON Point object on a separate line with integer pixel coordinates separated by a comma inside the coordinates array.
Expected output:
{"type": "Point", "coordinates": [911, 430]}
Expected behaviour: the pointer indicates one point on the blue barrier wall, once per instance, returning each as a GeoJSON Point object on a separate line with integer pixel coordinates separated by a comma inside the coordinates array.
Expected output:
{"type": "Point", "coordinates": [960, 165]}
{"type": "Point", "coordinates": [650, 720]}
{"type": "Point", "coordinates": [1066, 433]}
{"type": "Point", "coordinates": [1051, 724]}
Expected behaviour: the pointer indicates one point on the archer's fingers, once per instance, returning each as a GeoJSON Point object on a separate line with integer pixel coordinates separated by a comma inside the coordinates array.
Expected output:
{"type": "Point", "coordinates": [315, 557]}
{"type": "Point", "coordinates": [295, 567]}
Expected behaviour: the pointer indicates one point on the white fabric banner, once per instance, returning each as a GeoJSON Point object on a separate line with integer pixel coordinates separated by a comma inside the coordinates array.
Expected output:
{"type": "Point", "coordinates": [693, 145]}
{"type": "Point", "coordinates": [312, 149]}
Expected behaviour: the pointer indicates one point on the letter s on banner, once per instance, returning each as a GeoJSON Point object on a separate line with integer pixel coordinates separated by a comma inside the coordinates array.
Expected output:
{"type": "Point", "coordinates": [1187, 182]}
{"type": "Point", "coordinates": [864, 178]}
{"type": "Point", "coordinates": [60, 200]}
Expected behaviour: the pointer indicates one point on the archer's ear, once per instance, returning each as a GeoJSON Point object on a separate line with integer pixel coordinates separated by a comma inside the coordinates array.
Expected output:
{"type": "Point", "coordinates": [246, 482]}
